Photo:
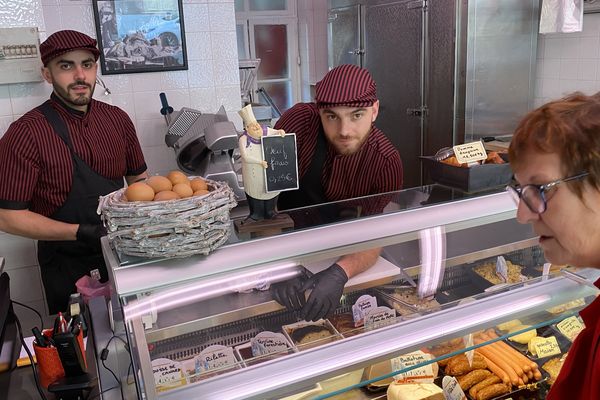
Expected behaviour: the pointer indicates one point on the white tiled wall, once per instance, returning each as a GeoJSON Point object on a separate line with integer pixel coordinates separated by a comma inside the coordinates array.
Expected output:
{"type": "Point", "coordinates": [212, 80]}
{"type": "Point", "coordinates": [568, 62]}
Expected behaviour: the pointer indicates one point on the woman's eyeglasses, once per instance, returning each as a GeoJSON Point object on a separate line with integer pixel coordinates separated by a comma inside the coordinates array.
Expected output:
{"type": "Point", "coordinates": [534, 196]}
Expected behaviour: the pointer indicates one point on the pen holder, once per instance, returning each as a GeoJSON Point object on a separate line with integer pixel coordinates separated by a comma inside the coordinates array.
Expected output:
{"type": "Point", "coordinates": [50, 367]}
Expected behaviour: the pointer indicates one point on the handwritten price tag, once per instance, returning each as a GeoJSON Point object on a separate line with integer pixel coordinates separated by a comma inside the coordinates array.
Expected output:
{"type": "Point", "coordinates": [421, 374]}
{"type": "Point", "coordinates": [502, 268]}
{"type": "Point", "coordinates": [363, 305]}
{"type": "Point", "coordinates": [268, 342]}
{"type": "Point", "coordinates": [380, 316]}
{"type": "Point", "coordinates": [216, 356]}
{"type": "Point", "coordinates": [570, 327]}
{"type": "Point", "coordinates": [167, 372]}
{"type": "Point", "coordinates": [470, 152]}
{"type": "Point", "coordinates": [547, 347]}
{"type": "Point", "coordinates": [452, 390]}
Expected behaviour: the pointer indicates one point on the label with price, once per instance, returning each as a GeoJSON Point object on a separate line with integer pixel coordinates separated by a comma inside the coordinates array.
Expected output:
{"type": "Point", "coordinates": [547, 347]}
{"type": "Point", "coordinates": [570, 327]}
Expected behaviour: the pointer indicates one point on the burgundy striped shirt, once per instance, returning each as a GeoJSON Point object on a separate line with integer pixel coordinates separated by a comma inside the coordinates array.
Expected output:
{"type": "Point", "coordinates": [375, 168]}
{"type": "Point", "coordinates": [36, 166]}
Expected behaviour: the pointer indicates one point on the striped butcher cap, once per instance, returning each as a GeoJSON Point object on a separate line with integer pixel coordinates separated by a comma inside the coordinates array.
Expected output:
{"type": "Point", "coordinates": [62, 42]}
{"type": "Point", "coordinates": [346, 85]}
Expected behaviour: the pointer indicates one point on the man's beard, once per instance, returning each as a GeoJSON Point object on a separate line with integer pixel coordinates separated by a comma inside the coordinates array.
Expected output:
{"type": "Point", "coordinates": [75, 100]}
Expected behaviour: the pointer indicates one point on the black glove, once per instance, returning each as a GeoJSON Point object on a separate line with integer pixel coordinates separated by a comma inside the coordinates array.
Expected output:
{"type": "Point", "coordinates": [90, 234]}
{"type": "Point", "coordinates": [327, 288]}
{"type": "Point", "coordinates": [288, 293]}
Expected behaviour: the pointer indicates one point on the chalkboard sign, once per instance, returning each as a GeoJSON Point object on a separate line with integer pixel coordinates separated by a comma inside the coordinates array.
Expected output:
{"type": "Point", "coordinates": [280, 153]}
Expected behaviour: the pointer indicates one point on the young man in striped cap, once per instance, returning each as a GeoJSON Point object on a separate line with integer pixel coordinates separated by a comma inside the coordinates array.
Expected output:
{"type": "Point", "coordinates": [341, 155]}
{"type": "Point", "coordinates": [57, 159]}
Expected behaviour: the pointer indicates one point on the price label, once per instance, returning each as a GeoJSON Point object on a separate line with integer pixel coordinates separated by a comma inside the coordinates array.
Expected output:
{"type": "Point", "coordinates": [452, 390]}
{"type": "Point", "coordinates": [547, 347]}
{"type": "Point", "coordinates": [167, 372]}
{"type": "Point", "coordinates": [468, 341]}
{"type": "Point", "coordinates": [469, 152]}
{"type": "Point", "coordinates": [570, 327]}
{"type": "Point", "coordinates": [424, 374]}
{"type": "Point", "coordinates": [217, 356]}
{"type": "Point", "coordinates": [268, 342]}
{"type": "Point", "coordinates": [502, 268]}
{"type": "Point", "coordinates": [380, 316]}
{"type": "Point", "coordinates": [361, 308]}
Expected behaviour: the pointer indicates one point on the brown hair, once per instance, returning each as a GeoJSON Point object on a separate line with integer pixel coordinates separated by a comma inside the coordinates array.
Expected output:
{"type": "Point", "coordinates": [569, 127]}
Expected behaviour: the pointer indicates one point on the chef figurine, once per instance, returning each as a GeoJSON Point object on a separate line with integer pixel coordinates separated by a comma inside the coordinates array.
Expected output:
{"type": "Point", "coordinates": [261, 203]}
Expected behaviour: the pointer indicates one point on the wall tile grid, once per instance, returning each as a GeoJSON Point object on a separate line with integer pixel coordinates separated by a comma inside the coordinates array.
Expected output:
{"type": "Point", "coordinates": [568, 62]}
{"type": "Point", "coordinates": [212, 80]}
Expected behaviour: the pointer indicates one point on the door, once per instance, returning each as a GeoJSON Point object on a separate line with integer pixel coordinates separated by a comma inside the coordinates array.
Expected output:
{"type": "Point", "coordinates": [276, 45]}
{"type": "Point", "coordinates": [344, 45]}
{"type": "Point", "coordinates": [393, 42]}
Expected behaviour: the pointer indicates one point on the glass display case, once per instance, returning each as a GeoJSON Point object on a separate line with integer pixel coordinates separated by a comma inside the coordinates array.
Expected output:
{"type": "Point", "coordinates": [456, 273]}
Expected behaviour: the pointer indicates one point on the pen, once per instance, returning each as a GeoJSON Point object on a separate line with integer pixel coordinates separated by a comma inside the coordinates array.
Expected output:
{"type": "Point", "coordinates": [39, 338]}
{"type": "Point", "coordinates": [60, 324]}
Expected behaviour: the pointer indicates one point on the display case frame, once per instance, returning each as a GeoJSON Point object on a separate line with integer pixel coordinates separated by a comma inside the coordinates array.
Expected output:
{"type": "Point", "coordinates": [146, 288]}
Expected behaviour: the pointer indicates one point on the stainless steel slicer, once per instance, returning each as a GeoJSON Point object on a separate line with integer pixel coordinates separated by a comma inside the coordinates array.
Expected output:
{"type": "Point", "coordinates": [204, 144]}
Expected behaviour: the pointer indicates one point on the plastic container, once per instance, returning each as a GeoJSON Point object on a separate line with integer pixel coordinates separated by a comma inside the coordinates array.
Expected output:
{"type": "Point", "coordinates": [473, 179]}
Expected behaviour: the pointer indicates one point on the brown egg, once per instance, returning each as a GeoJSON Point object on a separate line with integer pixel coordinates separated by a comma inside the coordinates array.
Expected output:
{"type": "Point", "coordinates": [198, 184]}
{"type": "Point", "coordinates": [159, 183]}
{"type": "Point", "coordinates": [201, 192]}
{"type": "Point", "coordinates": [139, 191]}
{"type": "Point", "coordinates": [178, 177]}
{"type": "Point", "coordinates": [183, 190]}
{"type": "Point", "coordinates": [166, 195]}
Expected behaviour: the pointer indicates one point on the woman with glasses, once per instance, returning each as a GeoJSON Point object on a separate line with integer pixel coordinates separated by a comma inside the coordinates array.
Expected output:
{"type": "Point", "coordinates": [555, 157]}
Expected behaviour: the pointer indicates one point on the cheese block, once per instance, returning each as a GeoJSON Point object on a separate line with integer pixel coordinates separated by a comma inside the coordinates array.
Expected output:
{"type": "Point", "coordinates": [416, 391]}
{"type": "Point", "coordinates": [524, 337]}
{"type": "Point", "coordinates": [508, 325]}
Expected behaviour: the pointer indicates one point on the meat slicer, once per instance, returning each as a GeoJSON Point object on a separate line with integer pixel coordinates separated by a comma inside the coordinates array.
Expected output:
{"type": "Point", "coordinates": [204, 144]}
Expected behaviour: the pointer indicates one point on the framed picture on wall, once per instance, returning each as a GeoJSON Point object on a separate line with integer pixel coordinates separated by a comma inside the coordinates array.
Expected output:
{"type": "Point", "coordinates": [140, 36]}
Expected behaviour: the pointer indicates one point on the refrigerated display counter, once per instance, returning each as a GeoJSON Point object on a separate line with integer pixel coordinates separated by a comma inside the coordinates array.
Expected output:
{"type": "Point", "coordinates": [455, 270]}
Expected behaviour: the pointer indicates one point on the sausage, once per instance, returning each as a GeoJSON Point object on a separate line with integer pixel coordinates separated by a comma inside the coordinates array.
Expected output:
{"type": "Point", "coordinates": [472, 378]}
{"type": "Point", "coordinates": [498, 371]}
{"type": "Point", "coordinates": [490, 380]}
{"type": "Point", "coordinates": [492, 391]}
{"type": "Point", "coordinates": [510, 353]}
{"type": "Point", "coordinates": [496, 349]}
{"type": "Point", "coordinates": [488, 353]}
{"type": "Point", "coordinates": [491, 333]}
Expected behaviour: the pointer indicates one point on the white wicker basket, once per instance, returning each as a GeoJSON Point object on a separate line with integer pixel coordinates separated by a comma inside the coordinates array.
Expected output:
{"type": "Point", "coordinates": [172, 228]}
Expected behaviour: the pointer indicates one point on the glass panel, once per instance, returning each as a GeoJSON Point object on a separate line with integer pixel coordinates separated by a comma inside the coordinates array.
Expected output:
{"type": "Point", "coordinates": [280, 92]}
{"type": "Point", "coordinates": [270, 42]}
{"type": "Point", "coordinates": [268, 5]}
{"type": "Point", "coordinates": [241, 41]}
{"type": "Point", "coordinates": [239, 5]}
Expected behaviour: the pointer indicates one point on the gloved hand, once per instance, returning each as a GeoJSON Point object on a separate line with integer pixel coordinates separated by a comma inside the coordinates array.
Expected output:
{"type": "Point", "coordinates": [327, 288]}
{"type": "Point", "coordinates": [288, 293]}
{"type": "Point", "coordinates": [90, 234]}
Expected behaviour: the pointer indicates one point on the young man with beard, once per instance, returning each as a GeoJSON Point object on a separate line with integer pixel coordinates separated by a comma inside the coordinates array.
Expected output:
{"type": "Point", "coordinates": [57, 159]}
{"type": "Point", "coordinates": [341, 155]}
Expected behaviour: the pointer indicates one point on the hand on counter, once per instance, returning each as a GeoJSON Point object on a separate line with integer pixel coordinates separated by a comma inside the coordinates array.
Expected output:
{"type": "Point", "coordinates": [327, 288]}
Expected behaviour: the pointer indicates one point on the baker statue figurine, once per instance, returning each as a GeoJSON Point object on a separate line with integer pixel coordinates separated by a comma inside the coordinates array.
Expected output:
{"type": "Point", "coordinates": [261, 203]}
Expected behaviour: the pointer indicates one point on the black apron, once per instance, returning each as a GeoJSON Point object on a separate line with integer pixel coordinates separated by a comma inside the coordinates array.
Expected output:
{"type": "Point", "coordinates": [62, 263]}
{"type": "Point", "coordinates": [310, 191]}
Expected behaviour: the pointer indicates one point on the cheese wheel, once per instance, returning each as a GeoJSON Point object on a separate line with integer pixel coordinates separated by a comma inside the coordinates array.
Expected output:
{"type": "Point", "coordinates": [524, 337]}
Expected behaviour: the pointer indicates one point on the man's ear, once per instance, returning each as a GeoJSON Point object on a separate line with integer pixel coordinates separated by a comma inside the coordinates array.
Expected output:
{"type": "Point", "coordinates": [47, 75]}
{"type": "Point", "coordinates": [375, 110]}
